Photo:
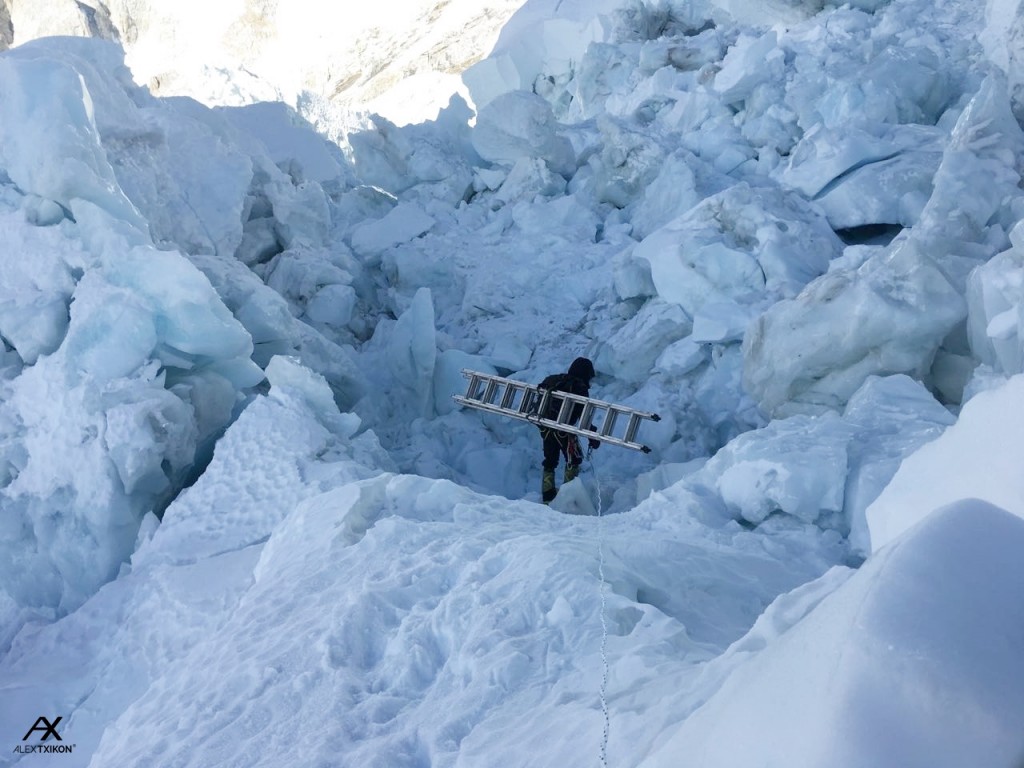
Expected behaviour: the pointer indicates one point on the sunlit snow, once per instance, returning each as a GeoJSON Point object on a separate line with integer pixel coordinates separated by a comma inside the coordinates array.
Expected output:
{"type": "Point", "coordinates": [242, 521]}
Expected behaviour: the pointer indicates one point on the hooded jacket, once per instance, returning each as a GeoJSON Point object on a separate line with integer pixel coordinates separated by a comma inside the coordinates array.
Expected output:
{"type": "Point", "coordinates": [575, 381]}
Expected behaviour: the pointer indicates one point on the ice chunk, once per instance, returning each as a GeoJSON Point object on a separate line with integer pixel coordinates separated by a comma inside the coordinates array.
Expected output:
{"type": "Point", "coordinates": [530, 177]}
{"type": "Point", "coordinates": [721, 322]}
{"type": "Point", "coordinates": [995, 299]}
{"type": "Point", "coordinates": [737, 246]}
{"type": "Point", "coordinates": [49, 143]}
{"type": "Point", "coordinates": [814, 351]}
{"type": "Point", "coordinates": [750, 62]}
{"type": "Point", "coordinates": [630, 353]}
{"type": "Point", "coordinates": [290, 141]}
{"type": "Point", "coordinates": [866, 175]}
{"type": "Point", "coordinates": [518, 125]}
{"type": "Point", "coordinates": [36, 284]}
{"type": "Point", "coordinates": [106, 426]}
{"type": "Point", "coordinates": [669, 195]}
{"type": "Point", "coordinates": [846, 325]}
{"type": "Point", "coordinates": [979, 171]}
{"type": "Point", "coordinates": [403, 223]}
{"type": "Point", "coordinates": [509, 353]}
{"type": "Point", "coordinates": [796, 466]}
{"type": "Point", "coordinates": [976, 457]}
{"type": "Point", "coordinates": [262, 468]}
{"type": "Point", "coordinates": [1001, 40]}
{"type": "Point", "coordinates": [681, 357]}
{"type": "Point", "coordinates": [427, 162]}
{"type": "Point", "coordinates": [332, 305]}
{"type": "Point", "coordinates": [448, 378]}
{"type": "Point", "coordinates": [563, 216]}
{"type": "Point", "coordinates": [412, 353]}
{"type": "Point", "coordinates": [773, 11]}
{"type": "Point", "coordinates": [929, 619]}
{"type": "Point", "coordinates": [890, 417]}
{"type": "Point", "coordinates": [542, 38]}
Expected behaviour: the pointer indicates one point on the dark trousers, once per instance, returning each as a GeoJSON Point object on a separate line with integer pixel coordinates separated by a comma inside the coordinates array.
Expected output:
{"type": "Point", "coordinates": [557, 444]}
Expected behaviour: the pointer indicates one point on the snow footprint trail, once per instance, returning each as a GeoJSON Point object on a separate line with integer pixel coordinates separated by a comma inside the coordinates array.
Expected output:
{"type": "Point", "coordinates": [604, 614]}
{"type": "Point", "coordinates": [400, 621]}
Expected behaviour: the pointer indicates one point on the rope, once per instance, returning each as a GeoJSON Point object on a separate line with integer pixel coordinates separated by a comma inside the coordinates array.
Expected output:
{"type": "Point", "coordinates": [604, 618]}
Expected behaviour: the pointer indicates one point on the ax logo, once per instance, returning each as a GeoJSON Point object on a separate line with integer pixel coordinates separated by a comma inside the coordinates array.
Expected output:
{"type": "Point", "coordinates": [49, 729]}
{"type": "Point", "coordinates": [43, 726]}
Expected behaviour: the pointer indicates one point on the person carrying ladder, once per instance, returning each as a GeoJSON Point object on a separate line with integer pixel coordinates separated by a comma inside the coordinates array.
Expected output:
{"type": "Point", "coordinates": [555, 442]}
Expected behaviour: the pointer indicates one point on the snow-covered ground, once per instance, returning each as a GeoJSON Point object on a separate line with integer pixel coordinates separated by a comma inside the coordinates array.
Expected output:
{"type": "Point", "coordinates": [242, 522]}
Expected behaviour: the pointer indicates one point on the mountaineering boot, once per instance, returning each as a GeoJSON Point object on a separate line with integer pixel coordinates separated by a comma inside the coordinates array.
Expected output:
{"type": "Point", "coordinates": [572, 471]}
{"type": "Point", "coordinates": [548, 491]}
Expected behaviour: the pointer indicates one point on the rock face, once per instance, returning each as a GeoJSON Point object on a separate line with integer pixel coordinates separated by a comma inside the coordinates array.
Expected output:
{"type": "Point", "coordinates": [6, 29]}
{"type": "Point", "coordinates": [385, 59]}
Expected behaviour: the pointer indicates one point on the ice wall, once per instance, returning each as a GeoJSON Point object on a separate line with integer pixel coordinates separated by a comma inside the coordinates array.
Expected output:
{"type": "Point", "coordinates": [122, 362]}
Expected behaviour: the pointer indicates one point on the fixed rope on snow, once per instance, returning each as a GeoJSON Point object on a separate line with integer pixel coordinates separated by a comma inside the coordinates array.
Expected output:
{"type": "Point", "coordinates": [604, 618]}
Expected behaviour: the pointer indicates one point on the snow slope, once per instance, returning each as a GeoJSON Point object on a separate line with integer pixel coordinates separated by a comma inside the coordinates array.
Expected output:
{"type": "Point", "coordinates": [243, 522]}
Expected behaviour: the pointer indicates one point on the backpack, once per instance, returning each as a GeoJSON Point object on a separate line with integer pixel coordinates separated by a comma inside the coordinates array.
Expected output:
{"type": "Point", "coordinates": [559, 382]}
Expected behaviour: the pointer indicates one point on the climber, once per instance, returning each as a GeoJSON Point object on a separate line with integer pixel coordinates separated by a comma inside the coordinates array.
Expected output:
{"type": "Point", "coordinates": [576, 381]}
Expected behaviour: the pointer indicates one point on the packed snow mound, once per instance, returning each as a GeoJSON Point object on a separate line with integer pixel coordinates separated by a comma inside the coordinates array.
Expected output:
{"type": "Point", "coordinates": [461, 595]}
{"type": "Point", "coordinates": [974, 458]}
{"type": "Point", "coordinates": [823, 469]}
{"type": "Point", "coordinates": [906, 663]}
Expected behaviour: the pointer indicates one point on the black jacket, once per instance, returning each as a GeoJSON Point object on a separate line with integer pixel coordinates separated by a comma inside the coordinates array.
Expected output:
{"type": "Point", "coordinates": [564, 382]}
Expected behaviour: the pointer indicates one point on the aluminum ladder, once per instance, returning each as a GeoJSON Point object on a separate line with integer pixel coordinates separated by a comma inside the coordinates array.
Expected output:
{"type": "Point", "coordinates": [519, 400]}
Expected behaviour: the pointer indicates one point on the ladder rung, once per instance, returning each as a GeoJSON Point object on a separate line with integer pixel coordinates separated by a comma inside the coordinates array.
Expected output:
{"type": "Point", "coordinates": [587, 416]}
{"type": "Point", "coordinates": [544, 400]}
{"type": "Point", "coordinates": [565, 411]}
{"type": "Point", "coordinates": [609, 421]}
{"type": "Point", "coordinates": [528, 398]}
{"type": "Point", "coordinates": [632, 427]}
{"type": "Point", "coordinates": [474, 382]}
{"type": "Point", "coordinates": [509, 396]}
{"type": "Point", "coordinates": [489, 391]}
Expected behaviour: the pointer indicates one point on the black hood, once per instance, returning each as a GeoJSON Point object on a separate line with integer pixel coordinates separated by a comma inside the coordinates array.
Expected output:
{"type": "Point", "coordinates": [582, 368]}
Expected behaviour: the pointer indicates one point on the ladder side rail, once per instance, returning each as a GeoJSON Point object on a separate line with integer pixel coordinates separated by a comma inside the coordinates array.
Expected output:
{"type": "Point", "coordinates": [491, 385]}
{"type": "Point", "coordinates": [567, 398]}
{"type": "Point", "coordinates": [622, 409]}
{"type": "Point", "coordinates": [607, 404]}
{"type": "Point", "coordinates": [591, 433]}
{"type": "Point", "coordinates": [593, 408]}
{"type": "Point", "coordinates": [550, 423]}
